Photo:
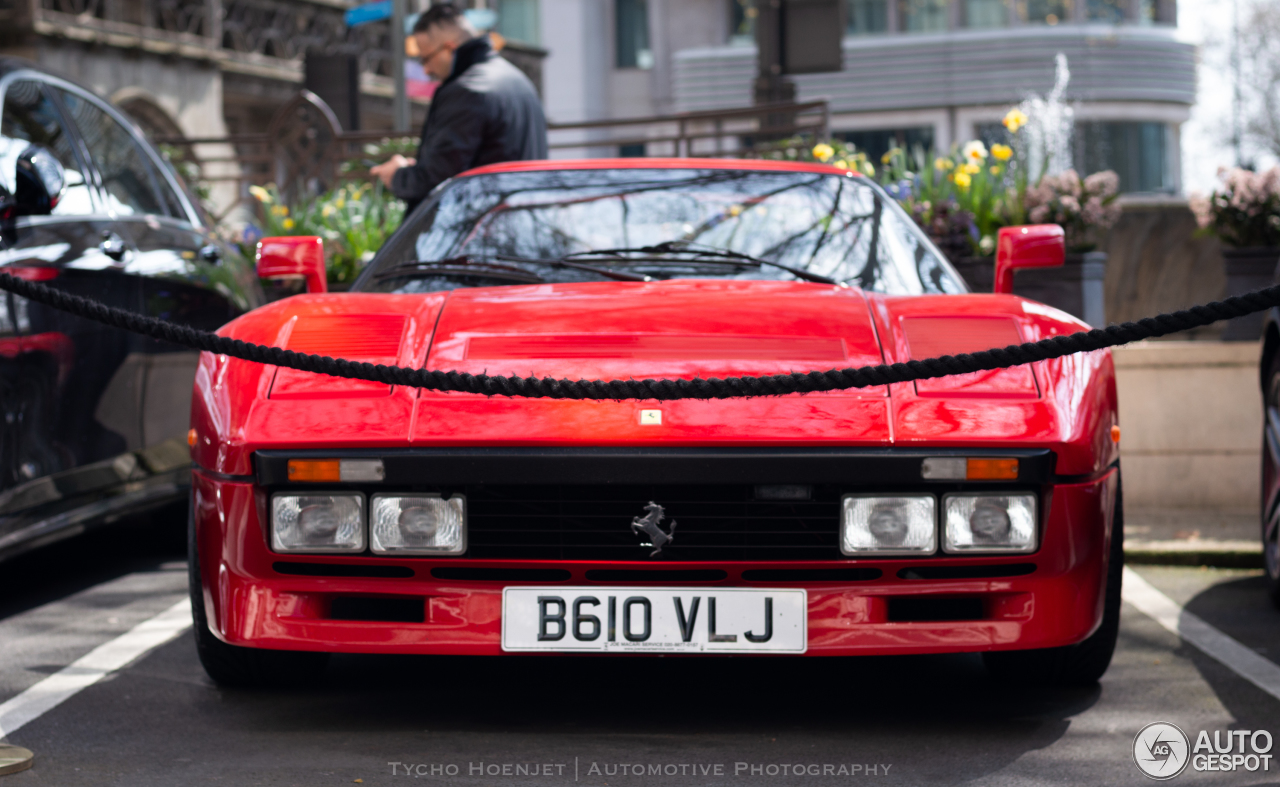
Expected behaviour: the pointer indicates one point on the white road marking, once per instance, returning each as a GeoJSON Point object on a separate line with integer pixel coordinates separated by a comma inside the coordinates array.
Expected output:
{"type": "Point", "coordinates": [1259, 671]}
{"type": "Point", "coordinates": [93, 667]}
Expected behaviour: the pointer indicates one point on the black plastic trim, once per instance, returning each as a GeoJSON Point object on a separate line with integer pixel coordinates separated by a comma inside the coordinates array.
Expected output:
{"type": "Point", "coordinates": [856, 467]}
{"type": "Point", "coordinates": [465, 574]}
{"type": "Point", "coordinates": [811, 574]}
{"type": "Point", "coordinates": [296, 569]}
{"type": "Point", "coordinates": [989, 571]}
{"type": "Point", "coordinates": [661, 575]}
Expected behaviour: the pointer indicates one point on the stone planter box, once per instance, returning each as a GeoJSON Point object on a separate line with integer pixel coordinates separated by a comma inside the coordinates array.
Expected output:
{"type": "Point", "coordinates": [1076, 287]}
{"type": "Point", "coordinates": [1248, 270]}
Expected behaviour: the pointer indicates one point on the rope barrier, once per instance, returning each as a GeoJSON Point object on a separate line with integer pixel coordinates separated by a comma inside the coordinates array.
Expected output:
{"type": "Point", "coordinates": [663, 390]}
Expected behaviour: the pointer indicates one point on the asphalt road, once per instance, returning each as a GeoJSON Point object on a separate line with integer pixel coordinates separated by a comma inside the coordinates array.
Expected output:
{"type": "Point", "coordinates": [391, 720]}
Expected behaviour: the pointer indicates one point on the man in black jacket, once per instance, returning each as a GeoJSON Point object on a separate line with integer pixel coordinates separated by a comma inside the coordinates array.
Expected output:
{"type": "Point", "coordinates": [485, 110]}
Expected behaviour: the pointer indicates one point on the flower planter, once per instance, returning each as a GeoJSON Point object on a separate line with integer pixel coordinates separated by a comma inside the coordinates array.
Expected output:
{"type": "Point", "coordinates": [1247, 270]}
{"type": "Point", "coordinates": [1076, 287]}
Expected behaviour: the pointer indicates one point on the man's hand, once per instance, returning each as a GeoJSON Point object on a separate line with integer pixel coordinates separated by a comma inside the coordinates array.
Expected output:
{"type": "Point", "coordinates": [387, 170]}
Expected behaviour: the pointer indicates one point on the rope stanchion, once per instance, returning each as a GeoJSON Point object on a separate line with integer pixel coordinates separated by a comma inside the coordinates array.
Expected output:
{"type": "Point", "coordinates": [662, 390]}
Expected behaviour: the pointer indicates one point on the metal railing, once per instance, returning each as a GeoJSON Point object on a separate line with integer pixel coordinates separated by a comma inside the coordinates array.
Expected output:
{"type": "Point", "coordinates": [306, 151]}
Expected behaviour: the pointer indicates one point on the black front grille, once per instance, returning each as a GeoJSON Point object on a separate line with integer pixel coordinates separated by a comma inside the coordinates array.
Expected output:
{"type": "Point", "coordinates": [593, 522]}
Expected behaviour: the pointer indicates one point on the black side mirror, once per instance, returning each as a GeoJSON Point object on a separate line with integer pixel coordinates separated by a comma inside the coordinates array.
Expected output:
{"type": "Point", "coordinates": [39, 182]}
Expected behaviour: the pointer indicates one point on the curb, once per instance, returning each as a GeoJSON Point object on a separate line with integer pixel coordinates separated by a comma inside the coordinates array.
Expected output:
{"type": "Point", "coordinates": [1210, 553]}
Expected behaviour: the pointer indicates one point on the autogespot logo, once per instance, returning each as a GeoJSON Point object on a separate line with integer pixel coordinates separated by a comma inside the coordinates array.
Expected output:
{"type": "Point", "coordinates": [1160, 750]}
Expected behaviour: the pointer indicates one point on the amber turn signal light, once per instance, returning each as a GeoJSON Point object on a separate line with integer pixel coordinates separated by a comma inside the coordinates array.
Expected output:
{"type": "Point", "coordinates": [314, 470]}
{"type": "Point", "coordinates": [992, 470]}
{"type": "Point", "coordinates": [191, 437]}
{"type": "Point", "coordinates": [1115, 434]}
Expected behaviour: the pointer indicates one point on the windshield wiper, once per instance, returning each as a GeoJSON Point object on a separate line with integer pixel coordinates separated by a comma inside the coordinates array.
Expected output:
{"type": "Point", "coordinates": [700, 254]}
{"type": "Point", "coordinates": [577, 266]}
{"type": "Point", "coordinates": [460, 267]}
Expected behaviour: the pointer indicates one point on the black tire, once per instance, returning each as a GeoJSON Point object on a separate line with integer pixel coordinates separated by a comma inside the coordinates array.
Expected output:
{"type": "Point", "coordinates": [233, 666]}
{"type": "Point", "coordinates": [1085, 662]}
{"type": "Point", "coordinates": [1271, 542]}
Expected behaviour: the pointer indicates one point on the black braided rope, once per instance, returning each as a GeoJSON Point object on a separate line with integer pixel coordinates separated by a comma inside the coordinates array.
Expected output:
{"type": "Point", "coordinates": [664, 390]}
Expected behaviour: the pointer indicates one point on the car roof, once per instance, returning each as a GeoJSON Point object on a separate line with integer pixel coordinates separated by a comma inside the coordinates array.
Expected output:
{"type": "Point", "coordinates": [764, 165]}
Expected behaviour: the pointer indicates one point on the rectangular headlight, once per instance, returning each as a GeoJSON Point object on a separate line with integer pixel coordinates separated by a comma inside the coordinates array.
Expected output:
{"type": "Point", "coordinates": [418, 525]}
{"type": "Point", "coordinates": [900, 525]}
{"type": "Point", "coordinates": [990, 523]}
{"type": "Point", "coordinates": [318, 522]}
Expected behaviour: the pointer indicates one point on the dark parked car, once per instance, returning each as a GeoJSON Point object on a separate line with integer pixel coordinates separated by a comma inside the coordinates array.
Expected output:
{"type": "Point", "coordinates": [95, 419]}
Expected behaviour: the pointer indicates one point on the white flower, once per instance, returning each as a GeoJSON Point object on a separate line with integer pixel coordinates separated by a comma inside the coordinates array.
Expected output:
{"type": "Point", "coordinates": [975, 151]}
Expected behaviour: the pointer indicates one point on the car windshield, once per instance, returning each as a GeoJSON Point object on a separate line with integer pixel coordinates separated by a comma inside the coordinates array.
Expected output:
{"type": "Point", "coordinates": [637, 224]}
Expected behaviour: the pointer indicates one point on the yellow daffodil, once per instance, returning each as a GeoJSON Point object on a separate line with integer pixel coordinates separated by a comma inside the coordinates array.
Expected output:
{"type": "Point", "coordinates": [974, 150]}
{"type": "Point", "coordinates": [963, 180]}
{"type": "Point", "coordinates": [287, 224]}
{"type": "Point", "coordinates": [327, 210]}
{"type": "Point", "coordinates": [971, 169]}
{"type": "Point", "coordinates": [1002, 152]}
{"type": "Point", "coordinates": [822, 151]}
{"type": "Point", "coordinates": [1014, 119]}
{"type": "Point", "coordinates": [260, 194]}
{"type": "Point", "coordinates": [340, 203]}
{"type": "Point", "coordinates": [943, 164]}
{"type": "Point", "coordinates": [279, 210]}
{"type": "Point", "coordinates": [841, 164]}
{"type": "Point", "coordinates": [995, 169]}
{"type": "Point", "coordinates": [868, 169]}
{"type": "Point", "coordinates": [888, 156]}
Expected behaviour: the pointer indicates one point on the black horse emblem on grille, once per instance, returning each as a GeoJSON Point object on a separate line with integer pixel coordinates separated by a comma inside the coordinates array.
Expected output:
{"type": "Point", "coordinates": [648, 526]}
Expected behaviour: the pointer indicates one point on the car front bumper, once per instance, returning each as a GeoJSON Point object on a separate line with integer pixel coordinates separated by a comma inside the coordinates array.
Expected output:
{"type": "Point", "coordinates": [1050, 598]}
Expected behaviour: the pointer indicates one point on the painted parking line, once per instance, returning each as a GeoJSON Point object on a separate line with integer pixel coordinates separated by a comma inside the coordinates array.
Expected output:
{"type": "Point", "coordinates": [93, 667]}
{"type": "Point", "coordinates": [1259, 671]}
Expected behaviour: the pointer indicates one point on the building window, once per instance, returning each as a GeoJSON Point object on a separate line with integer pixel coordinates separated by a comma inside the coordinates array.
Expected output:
{"type": "Point", "coordinates": [631, 21]}
{"type": "Point", "coordinates": [1049, 12]}
{"type": "Point", "coordinates": [742, 21]}
{"type": "Point", "coordinates": [518, 20]}
{"type": "Point", "coordinates": [984, 13]}
{"type": "Point", "coordinates": [1138, 152]}
{"type": "Point", "coordinates": [876, 142]}
{"type": "Point", "coordinates": [922, 16]}
{"type": "Point", "coordinates": [866, 16]}
{"type": "Point", "coordinates": [1105, 10]}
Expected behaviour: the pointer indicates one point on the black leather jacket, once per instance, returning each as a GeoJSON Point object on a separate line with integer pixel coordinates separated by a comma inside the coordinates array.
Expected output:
{"type": "Point", "coordinates": [486, 112]}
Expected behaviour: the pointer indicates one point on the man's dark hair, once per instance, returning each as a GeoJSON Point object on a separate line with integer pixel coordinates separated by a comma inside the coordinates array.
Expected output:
{"type": "Point", "coordinates": [446, 14]}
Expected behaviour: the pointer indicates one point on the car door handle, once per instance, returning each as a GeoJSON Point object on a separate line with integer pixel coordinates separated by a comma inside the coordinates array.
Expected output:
{"type": "Point", "coordinates": [112, 245]}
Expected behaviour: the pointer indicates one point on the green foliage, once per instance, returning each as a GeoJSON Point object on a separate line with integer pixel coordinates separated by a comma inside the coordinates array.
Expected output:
{"type": "Point", "coordinates": [354, 220]}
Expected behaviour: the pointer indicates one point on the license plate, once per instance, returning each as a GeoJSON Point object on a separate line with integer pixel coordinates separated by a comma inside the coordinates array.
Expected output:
{"type": "Point", "coordinates": [654, 620]}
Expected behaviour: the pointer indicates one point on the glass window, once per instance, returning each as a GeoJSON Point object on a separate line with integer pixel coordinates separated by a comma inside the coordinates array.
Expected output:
{"type": "Point", "coordinates": [866, 16]}
{"type": "Point", "coordinates": [631, 20]}
{"type": "Point", "coordinates": [128, 181]}
{"type": "Point", "coordinates": [1138, 152]}
{"type": "Point", "coordinates": [1050, 12]}
{"type": "Point", "coordinates": [509, 224]}
{"type": "Point", "coordinates": [30, 118]}
{"type": "Point", "coordinates": [742, 21]}
{"type": "Point", "coordinates": [985, 13]}
{"type": "Point", "coordinates": [1105, 10]}
{"type": "Point", "coordinates": [518, 20]}
{"type": "Point", "coordinates": [923, 16]}
{"type": "Point", "coordinates": [876, 142]}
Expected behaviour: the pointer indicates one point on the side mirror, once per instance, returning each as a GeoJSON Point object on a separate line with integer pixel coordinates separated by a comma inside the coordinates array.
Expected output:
{"type": "Point", "coordinates": [293, 257]}
{"type": "Point", "coordinates": [39, 182]}
{"type": "Point", "coordinates": [1032, 246]}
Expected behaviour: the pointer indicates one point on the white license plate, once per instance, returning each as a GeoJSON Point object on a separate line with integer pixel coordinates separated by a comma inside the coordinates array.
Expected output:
{"type": "Point", "coordinates": [654, 620]}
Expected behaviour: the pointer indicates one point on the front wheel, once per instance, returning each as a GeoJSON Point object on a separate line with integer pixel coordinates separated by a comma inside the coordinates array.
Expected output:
{"type": "Point", "coordinates": [233, 666]}
{"type": "Point", "coordinates": [1085, 662]}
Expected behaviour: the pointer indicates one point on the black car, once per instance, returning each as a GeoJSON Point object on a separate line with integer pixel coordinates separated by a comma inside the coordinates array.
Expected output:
{"type": "Point", "coordinates": [95, 419]}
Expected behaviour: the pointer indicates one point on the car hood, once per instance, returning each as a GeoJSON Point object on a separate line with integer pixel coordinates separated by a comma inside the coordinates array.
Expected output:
{"type": "Point", "coordinates": [612, 330]}
{"type": "Point", "coordinates": [658, 329]}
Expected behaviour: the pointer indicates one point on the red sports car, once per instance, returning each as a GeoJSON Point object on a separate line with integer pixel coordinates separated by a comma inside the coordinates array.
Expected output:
{"type": "Point", "coordinates": [972, 513]}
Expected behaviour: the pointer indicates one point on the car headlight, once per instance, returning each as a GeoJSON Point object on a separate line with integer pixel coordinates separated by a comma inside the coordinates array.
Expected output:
{"type": "Point", "coordinates": [317, 522]}
{"type": "Point", "coordinates": [989, 523]}
{"type": "Point", "coordinates": [418, 525]}
{"type": "Point", "coordinates": [900, 525]}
